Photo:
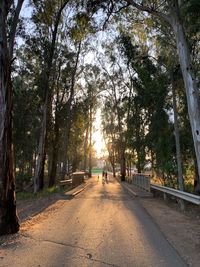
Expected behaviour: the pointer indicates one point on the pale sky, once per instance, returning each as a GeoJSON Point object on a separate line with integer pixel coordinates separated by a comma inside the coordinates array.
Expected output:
{"type": "Point", "coordinates": [99, 144]}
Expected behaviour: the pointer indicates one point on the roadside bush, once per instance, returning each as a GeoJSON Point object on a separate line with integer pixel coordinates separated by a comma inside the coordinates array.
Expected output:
{"type": "Point", "coordinates": [22, 179]}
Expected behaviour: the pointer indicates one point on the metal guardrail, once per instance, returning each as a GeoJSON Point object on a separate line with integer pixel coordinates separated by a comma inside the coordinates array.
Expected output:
{"type": "Point", "coordinates": [143, 181]}
{"type": "Point", "coordinates": [177, 193]}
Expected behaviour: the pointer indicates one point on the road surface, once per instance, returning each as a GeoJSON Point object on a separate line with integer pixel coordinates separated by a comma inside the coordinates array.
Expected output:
{"type": "Point", "coordinates": [102, 226]}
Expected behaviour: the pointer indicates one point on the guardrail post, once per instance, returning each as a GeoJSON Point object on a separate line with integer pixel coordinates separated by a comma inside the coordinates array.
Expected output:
{"type": "Point", "coordinates": [181, 203]}
{"type": "Point", "coordinates": [182, 196]}
{"type": "Point", "coordinates": [165, 197]}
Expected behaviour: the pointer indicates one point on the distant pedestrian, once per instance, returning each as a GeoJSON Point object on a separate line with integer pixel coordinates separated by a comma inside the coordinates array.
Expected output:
{"type": "Point", "coordinates": [106, 176]}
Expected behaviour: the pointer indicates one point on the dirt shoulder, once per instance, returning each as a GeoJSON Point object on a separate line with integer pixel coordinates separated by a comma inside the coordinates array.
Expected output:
{"type": "Point", "coordinates": [35, 210]}
{"type": "Point", "coordinates": [182, 230]}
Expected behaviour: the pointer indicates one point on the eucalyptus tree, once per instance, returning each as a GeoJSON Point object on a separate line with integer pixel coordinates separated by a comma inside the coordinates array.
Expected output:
{"type": "Point", "coordinates": [25, 131]}
{"type": "Point", "coordinates": [62, 96]}
{"type": "Point", "coordinates": [48, 14]}
{"type": "Point", "coordinates": [79, 32]}
{"type": "Point", "coordinates": [9, 18]}
{"type": "Point", "coordinates": [77, 132]}
{"type": "Point", "coordinates": [170, 12]}
{"type": "Point", "coordinates": [167, 60]}
{"type": "Point", "coordinates": [148, 126]}
{"type": "Point", "coordinates": [70, 75]}
{"type": "Point", "coordinates": [119, 89]}
{"type": "Point", "coordinates": [27, 90]}
{"type": "Point", "coordinates": [162, 59]}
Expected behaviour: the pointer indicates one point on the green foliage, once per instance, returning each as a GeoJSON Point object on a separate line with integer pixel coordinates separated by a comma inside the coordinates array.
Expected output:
{"type": "Point", "coordinates": [77, 135]}
{"type": "Point", "coordinates": [22, 179]}
{"type": "Point", "coordinates": [149, 128]}
{"type": "Point", "coordinates": [26, 123]}
{"type": "Point", "coordinates": [191, 13]}
{"type": "Point", "coordinates": [30, 196]}
{"type": "Point", "coordinates": [82, 27]}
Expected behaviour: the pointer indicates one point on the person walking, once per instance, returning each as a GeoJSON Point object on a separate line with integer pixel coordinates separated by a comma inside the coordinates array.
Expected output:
{"type": "Point", "coordinates": [106, 176]}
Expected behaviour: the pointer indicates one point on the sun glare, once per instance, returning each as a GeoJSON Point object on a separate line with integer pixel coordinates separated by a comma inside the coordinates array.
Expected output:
{"type": "Point", "coordinates": [99, 144]}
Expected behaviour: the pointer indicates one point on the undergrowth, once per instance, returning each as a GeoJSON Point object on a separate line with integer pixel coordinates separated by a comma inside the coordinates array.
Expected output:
{"type": "Point", "coordinates": [45, 192]}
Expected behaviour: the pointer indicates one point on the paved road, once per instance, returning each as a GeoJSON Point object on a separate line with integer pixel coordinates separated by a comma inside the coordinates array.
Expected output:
{"type": "Point", "coordinates": [102, 226]}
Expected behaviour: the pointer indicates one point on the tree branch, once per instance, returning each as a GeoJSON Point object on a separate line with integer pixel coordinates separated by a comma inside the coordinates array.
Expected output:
{"type": "Point", "coordinates": [149, 10]}
{"type": "Point", "coordinates": [8, 4]}
{"type": "Point", "coordinates": [110, 11]}
{"type": "Point", "coordinates": [14, 27]}
{"type": "Point", "coordinates": [123, 7]}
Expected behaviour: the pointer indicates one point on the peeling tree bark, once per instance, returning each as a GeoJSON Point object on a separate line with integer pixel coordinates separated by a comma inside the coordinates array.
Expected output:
{"type": "Point", "coordinates": [189, 81]}
{"type": "Point", "coordinates": [52, 171]}
{"type": "Point", "coordinates": [177, 141]}
{"type": "Point", "coordinates": [9, 222]}
{"type": "Point", "coordinates": [177, 137]}
{"type": "Point", "coordinates": [39, 170]}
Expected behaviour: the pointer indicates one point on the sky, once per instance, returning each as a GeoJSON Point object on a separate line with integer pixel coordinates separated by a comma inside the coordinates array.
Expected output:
{"type": "Point", "coordinates": [99, 144]}
{"type": "Point", "coordinates": [26, 10]}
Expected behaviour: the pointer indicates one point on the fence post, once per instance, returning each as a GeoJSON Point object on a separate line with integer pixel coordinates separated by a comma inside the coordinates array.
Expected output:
{"type": "Point", "coordinates": [142, 181]}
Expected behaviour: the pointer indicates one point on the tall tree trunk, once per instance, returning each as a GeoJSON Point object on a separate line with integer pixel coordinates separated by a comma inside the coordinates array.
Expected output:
{"type": "Point", "coordinates": [68, 112]}
{"type": "Point", "coordinates": [66, 137]}
{"type": "Point", "coordinates": [53, 169]}
{"type": "Point", "coordinates": [41, 180]}
{"type": "Point", "coordinates": [152, 162]}
{"type": "Point", "coordinates": [189, 81]}
{"type": "Point", "coordinates": [128, 168]}
{"type": "Point", "coordinates": [112, 161]}
{"type": "Point", "coordinates": [177, 137]}
{"type": "Point", "coordinates": [86, 149]}
{"type": "Point", "coordinates": [122, 164]}
{"type": "Point", "coordinates": [138, 164]}
{"type": "Point", "coordinates": [9, 222]}
{"type": "Point", "coordinates": [41, 155]}
{"type": "Point", "coordinates": [177, 140]}
{"type": "Point", "coordinates": [113, 168]}
{"type": "Point", "coordinates": [65, 150]}
{"type": "Point", "coordinates": [114, 171]}
{"type": "Point", "coordinates": [90, 144]}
